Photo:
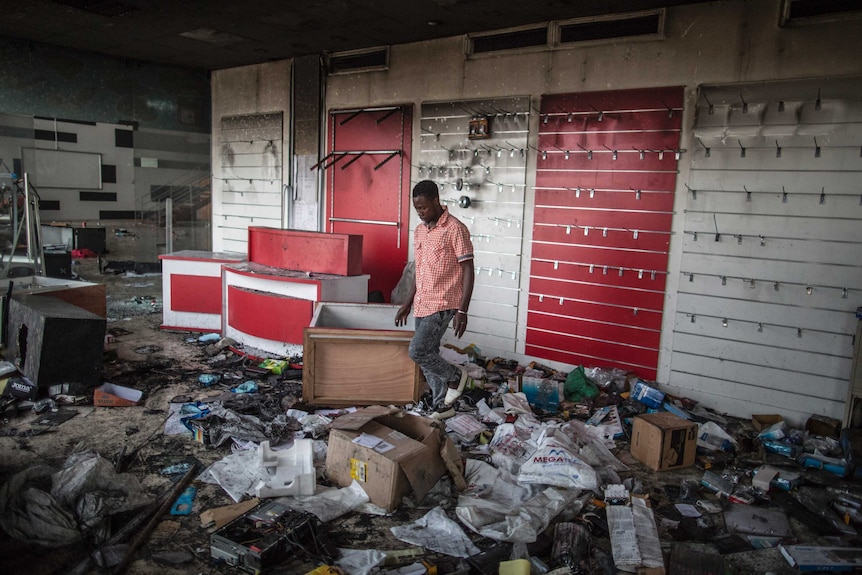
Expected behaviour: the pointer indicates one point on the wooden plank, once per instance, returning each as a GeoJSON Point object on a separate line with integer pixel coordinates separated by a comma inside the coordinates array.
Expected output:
{"type": "Point", "coordinates": [748, 354]}
{"type": "Point", "coordinates": [771, 227]}
{"type": "Point", "coordinates": [596, 311]}
{"type": "Point", "coordinates": [633, 220]}
{"type": "Point", "coordinates": [769, 335]}
{"type": "Point", "coordinates": [503, 312]}
{"type": "Point", "coordinates": [743, 401]}
{"type": "Point", "coordinates": [626, 199]}
{"type": "Point", "coordinates": [775, 304]}
{"type": "Point", "coordinates": [824, 320]}
{"type": "Point", "coordinates": [756, 381]}
{"type": "Point", "coordinates": [639, 280]}
{"type": "Point", "coordinates": [793, 178]}
{"type": "Point", "coordinates": [814, 274]}
{"type": "Point", "coordinates": [245, 186]}
{"type": "Point", "coordinates": [483, 324]}
{"type": "Point", "coordinates": [616, 238]}
{"type": "Point", "coordinates": [749, 246]}
{"type": "Point", "coordinates": [631, 259]}
{"type": "Point", "coordinates": [582, 327]}
{"type": "Point", "coordinates": [555, 177]}
{"type": "Point", "coordinates": [271, 174]}
{"type": "Point", "coordinates": [495, 294]}
{"type": "Point", "coordinates": [801, 204]}
{"type": "Point", "coordinates": [554, 289]}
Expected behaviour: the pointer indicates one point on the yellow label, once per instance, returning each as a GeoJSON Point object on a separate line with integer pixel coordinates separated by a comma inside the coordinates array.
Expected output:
{"type": "Point", "coordinates": [357, 470]}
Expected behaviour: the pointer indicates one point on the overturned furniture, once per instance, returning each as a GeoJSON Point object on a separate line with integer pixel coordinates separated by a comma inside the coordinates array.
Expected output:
{"type": "Point", "coordinates": [53, 341]}
{"type": "Point", "coordinates": [354, 354]}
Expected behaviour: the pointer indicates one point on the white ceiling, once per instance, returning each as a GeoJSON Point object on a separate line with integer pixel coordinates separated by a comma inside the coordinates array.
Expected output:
{"type": "Point", "coordinates": [215, 34]}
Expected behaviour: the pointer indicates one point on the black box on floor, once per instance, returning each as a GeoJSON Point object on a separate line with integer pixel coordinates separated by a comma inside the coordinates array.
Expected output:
{"type": "Point", "coordinates": [93, 239]}
{"type": "Point", "coordinates": [266, 536]}
{"type": "Point", "coordinates": [58, 265]}
{"type": "Point", "coordinates": [52, 341]}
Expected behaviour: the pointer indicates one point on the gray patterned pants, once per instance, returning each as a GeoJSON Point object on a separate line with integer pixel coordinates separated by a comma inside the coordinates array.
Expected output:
{"type": "Point", "coordinates": [425, 351]}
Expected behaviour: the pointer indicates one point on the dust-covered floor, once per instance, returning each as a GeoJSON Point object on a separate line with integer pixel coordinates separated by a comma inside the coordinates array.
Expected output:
{"type": "Point", "coordinates": [166, 367]}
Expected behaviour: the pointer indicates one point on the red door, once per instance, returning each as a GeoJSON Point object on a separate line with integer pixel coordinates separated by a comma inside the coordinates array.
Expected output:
{"type": "Point", "coordinates": [368, 187]}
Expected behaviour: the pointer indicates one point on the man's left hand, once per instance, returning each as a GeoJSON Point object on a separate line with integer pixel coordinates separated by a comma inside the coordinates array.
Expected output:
{"type": "Point", "coordinates": [459, 324]}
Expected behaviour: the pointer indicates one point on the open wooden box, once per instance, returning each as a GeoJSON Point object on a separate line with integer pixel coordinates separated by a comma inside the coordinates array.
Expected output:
{"type": "Point", "coordinates": [355, 355]}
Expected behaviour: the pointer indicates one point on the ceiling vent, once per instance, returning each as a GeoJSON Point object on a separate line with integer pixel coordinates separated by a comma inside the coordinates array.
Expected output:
{"type": "Point", "coordinates": [533, 37]}
{"type": "Point", "coordinates": [635, 25]}
{"type": "Point", "coordinates": [355, 61]}
{"type": "Point", "coordinates": [809, 11]}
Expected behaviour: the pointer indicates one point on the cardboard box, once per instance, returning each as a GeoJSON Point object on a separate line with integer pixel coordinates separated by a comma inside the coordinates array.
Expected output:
{"type": "Point", "coordinates": [815, 558]}
{"type": "Point", "coordinates": [406, 460]}
{"type": "Point", "coordinates": [354, 354]}
{"type": "Point", "coordinates": [664, 441]}
{"type": "Point", "coordinates": [761, 422]}
{"type": "Point", "coordinates": [111, 395]}
{"type": "Point", "coordinates": [823, 425]}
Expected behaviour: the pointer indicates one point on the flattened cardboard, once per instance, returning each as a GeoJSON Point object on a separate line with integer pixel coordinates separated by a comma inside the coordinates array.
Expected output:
{"type": "Point", "coordinates": [111, 395]}
{"type": "Point", "coordinates": [664, 441]}
{"type": "Point", "coordinates": [412, 464]}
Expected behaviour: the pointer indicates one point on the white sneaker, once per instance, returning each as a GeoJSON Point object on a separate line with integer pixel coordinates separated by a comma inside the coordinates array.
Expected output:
{"type": "Point", "coordinates": [443, 412]}
{"type": "Point", "coordinates": [452, 394]}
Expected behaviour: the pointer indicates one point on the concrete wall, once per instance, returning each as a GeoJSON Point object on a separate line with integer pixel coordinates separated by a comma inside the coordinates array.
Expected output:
{"type": "Point", "coordinates": [246, 104]}
{"type": "Point", "coordinates": [733, 41]}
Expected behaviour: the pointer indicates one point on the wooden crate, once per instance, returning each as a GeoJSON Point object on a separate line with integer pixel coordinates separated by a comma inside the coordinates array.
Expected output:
{"type": "Point", "coordinates": [354, 354]}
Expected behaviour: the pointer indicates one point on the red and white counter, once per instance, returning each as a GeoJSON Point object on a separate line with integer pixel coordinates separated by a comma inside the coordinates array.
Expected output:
{"type": "Point", "coordinates": [192, 289]}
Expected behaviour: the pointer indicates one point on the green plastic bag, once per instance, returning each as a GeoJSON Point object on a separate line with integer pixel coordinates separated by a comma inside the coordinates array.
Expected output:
{"type": "Point", "coordinates": [578, 387]}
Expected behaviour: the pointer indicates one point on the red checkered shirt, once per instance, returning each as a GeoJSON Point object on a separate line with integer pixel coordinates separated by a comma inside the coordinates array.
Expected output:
{"type": "Point", "coordinates": [439, 252]}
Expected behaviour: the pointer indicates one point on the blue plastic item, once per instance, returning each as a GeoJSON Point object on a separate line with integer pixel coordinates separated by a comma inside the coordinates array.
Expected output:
{"type": "Point", "coordinates": [247, 387]}
{"type": "Point", "coordinates": [207, 379]}
{"type": "Point", "coordinates": [183, 504]}
{"type": "Point", "coordinates": [209, 337]}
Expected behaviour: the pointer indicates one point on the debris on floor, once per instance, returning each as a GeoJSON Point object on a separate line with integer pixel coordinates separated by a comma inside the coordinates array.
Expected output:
{"type": "Point", "coordinates": [540, 471]}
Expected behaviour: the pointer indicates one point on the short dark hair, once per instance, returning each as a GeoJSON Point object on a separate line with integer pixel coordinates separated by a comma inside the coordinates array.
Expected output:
{"type": "Point", "coordinates": [426, 188]}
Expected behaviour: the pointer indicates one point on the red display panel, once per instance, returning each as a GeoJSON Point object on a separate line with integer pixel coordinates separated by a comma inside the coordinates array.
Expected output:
{"type": "Point", "coordinates": [196, 294]}
{"type": "Point", "coordinates": [368, 187]}
{"type": "Point", "coordinates": [268, 316]}
{"type": "Point", "coordinates": [605, 183]}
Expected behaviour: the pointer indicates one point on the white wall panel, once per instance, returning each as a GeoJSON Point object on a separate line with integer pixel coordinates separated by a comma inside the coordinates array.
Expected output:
{"type": "Point", "coordinates": [770, 273]}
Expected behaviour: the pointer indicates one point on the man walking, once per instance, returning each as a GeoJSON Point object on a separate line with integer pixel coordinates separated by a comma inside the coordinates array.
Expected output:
{"type": "Point", "coordinates": [440, 295]}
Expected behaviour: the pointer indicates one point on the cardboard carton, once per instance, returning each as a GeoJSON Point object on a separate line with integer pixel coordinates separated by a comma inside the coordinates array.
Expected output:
{"type": "Point", "coordinates": [664, 441]}
{"type": "Point", "coordinates": [390, 453]}
{"type": "Point", "coordinates": [111, 395]}
{"type": "Point", "coordinates": [761, 422]}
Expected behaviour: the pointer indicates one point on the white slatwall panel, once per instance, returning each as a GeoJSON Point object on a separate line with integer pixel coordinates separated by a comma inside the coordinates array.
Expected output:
{"type": "Point", "coordinates": [250, 176]}
{"type": "Point", "coordinates": [771, 268]}
{"type": "Point", "coordinates": [492, 172]}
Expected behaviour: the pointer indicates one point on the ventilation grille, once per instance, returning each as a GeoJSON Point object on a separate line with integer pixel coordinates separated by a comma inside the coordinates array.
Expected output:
{"type": "Point", "coordinates": [108, 8]}
{"type": "Point", "coordinates": [358, 61]}
{"type": "Point", "coordinates": [529, 38]}
{"type": "Point", "coordinates": [633, 25]}
{"type": "Point", "coordinates": [805, 11]}
{"type": "Point", "coordinates": [644, 25]}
